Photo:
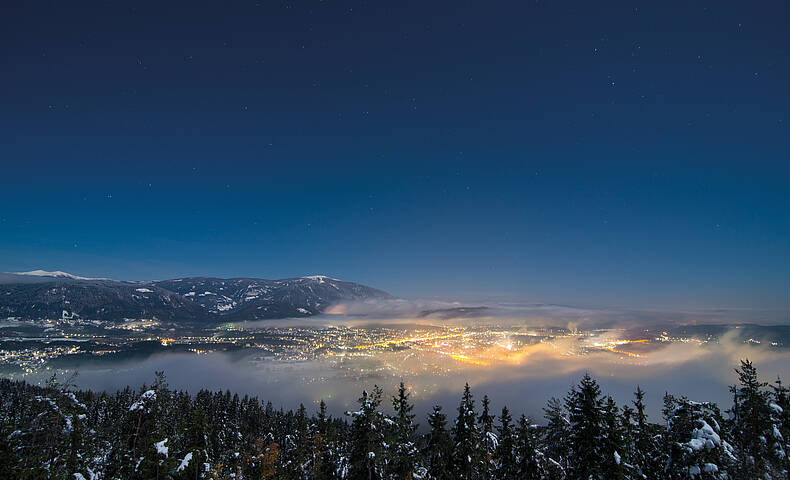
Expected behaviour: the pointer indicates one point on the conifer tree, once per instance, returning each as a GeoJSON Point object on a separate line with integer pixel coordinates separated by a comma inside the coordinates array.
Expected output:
{"type": "Point", "coordinates": [585, 433]}
{"type": "Point", "coordinates": [780, 407]}
{"type": "Point", "coordinates": [504, 455]}
{"type": "Point", "coordinates": [48, 432]}
{"type": "Point", "coordinates": [527, 455]}
{"type": "Point", "coordinates": [402, 461]}
{"type": "Point", "coordinates": [76, 452]}
{"type": "Point", "coordinates": [627, 429]}
{"type": "Point", "coordinates": [150, 444]}
{"type": "Point", "coordinates": [696, 444]}
{"type": "Point", "coordinates": [438, 447]}
{"type": "Point", "coordinates": [367, 438]}
{"type": "Point", "coordinates": [324, 462]}
{"type": "Point", "coordinates": [646, 453]}
{"type": "Point", "coordinates": [488, 440]}
{"type": "Point", "coordinates": [466, 439]}
{"type": "Point", "coordinates": [612, 443]}
{"type": "Point", "coordinates": [296, 455]}
{"type": "Point", "coordinates": [195, 442]}
{"type": "Point", "coordinates": [757, 439]}
{"type": "Point", "coordinates": [556, 440]}
{"type": "Point", "coordinates": [7, 457]}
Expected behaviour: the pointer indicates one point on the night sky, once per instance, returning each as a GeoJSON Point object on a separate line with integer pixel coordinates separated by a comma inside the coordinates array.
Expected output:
{"type": "Point", "coordinates": [603, 153]}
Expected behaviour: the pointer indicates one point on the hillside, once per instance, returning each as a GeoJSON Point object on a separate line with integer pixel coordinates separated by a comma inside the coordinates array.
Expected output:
{"type": "Point", "coordinates": [40, 294]}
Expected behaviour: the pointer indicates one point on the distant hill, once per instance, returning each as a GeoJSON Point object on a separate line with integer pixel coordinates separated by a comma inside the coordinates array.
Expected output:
{"type": "Point", "coordinates": [41, 294]}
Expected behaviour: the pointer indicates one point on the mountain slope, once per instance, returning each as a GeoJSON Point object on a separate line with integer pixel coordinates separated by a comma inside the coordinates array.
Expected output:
{"type": "Point", "coordinates": [255, 298]}
{"type": "Point", "coordinates": [95, 300]}
{"type": "Point", "coordinates": [192, 300]}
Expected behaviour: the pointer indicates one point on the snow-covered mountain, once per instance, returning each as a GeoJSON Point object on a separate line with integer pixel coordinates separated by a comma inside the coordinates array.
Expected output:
{"type": "Point", "coordinates": [197, 299]}
{"type": "Point", "coordinates": [256, 298]}
{"type": "Point", "coordinates": [55, 274]}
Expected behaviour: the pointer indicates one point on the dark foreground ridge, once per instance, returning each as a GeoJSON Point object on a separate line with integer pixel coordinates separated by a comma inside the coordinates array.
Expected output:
{"type": "Point", "coordinates": [55, 432]}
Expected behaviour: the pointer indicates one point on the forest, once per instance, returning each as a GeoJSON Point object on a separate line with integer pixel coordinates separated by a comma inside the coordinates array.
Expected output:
{"type": "Point", "coordinates": [59, 432]}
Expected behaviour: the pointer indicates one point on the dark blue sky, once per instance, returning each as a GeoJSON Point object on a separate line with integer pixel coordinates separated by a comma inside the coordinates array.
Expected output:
{"type": "Point", "coordinates": [628, 153]}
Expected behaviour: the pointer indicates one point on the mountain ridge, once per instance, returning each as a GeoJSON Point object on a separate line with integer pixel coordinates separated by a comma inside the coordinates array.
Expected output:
{"type": "Point", "coordinates": [41, 294]}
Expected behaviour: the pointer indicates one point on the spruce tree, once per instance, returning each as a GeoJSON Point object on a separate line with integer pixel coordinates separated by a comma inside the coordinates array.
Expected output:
{"type": "Point", "coordinates": [438, 447]}
{"type": "Point", "coordinates": [780, 407]}
{"type": "Point", "coordinates": [367, 439]}
{"type": "Point", "coordinates": [758, 442]}
{"type": "Point", "coordinates": [527, 455]}
{"type": "Point", "coordinates": [324, 453]}
{"type": "Point", "coordinates": [150, 445]}
{"type": "Point", "coordinates": [612, 443]}
{"type": "Point", "coordinates": [556, 440]}
{"type": "Point", "coordinates": [696, 444]}
{"type": "Point", "coordinates": [47, 432]}
{"type": "Point", "coordinates": [402, 456]}
{"type": "Point", "coordinates": [627, 430]}
{"type": "Point", "coordinates": [466, 439]}
{"type": "Point", "coordinates": [646, 453]}
{"type": "Point", "coordinates": [504, 454]}
{"type": "Point", "coordinates": [195, 442]}
{"type": "Point", "coordinates": [296, 449]}
{"type": "Point", "coordinates": [488, 440]}
{"type": "Point", "coordinates": [585, 415]}
{"type": "Point", "coordinates": [76, 452]}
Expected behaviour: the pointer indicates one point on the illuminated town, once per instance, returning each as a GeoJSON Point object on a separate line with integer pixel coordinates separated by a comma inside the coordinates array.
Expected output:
{"type": "Point", "coordinates": [64, 344]}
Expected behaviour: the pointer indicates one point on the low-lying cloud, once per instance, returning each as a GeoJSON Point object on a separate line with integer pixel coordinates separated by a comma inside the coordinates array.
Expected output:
{"type": "Point", "coordinates": [524, 378]}
{"type": "Point", "coordinates": [524, 381]}
{"type": "Point", "coordinates": [442, 312]}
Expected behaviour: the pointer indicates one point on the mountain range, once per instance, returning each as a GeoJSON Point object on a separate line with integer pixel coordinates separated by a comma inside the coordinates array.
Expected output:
{"type": "Point", "coordinates": [41, 294]}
